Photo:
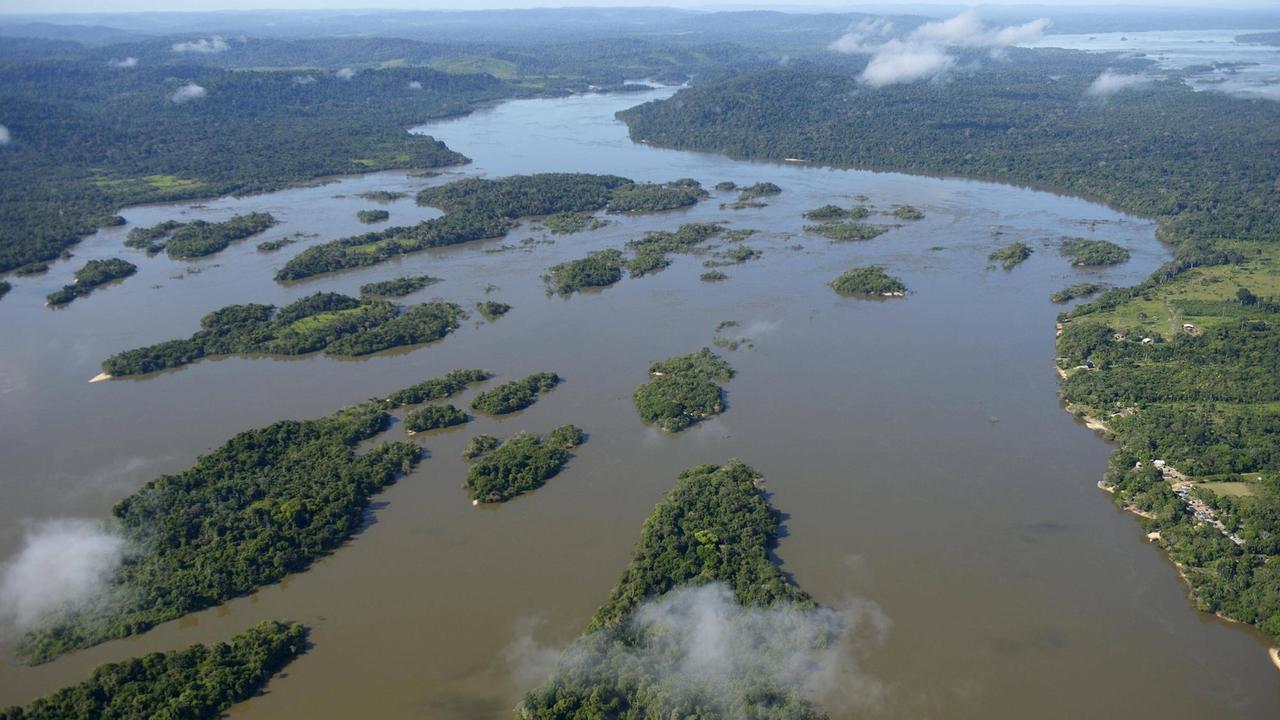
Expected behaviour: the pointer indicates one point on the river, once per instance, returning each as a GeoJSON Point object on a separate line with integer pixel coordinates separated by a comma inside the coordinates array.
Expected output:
{"type": "Point", "coordinates": [917, 446]}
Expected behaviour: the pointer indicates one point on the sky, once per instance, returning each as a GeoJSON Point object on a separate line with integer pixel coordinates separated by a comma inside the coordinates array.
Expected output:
{"type": "Point", "coordinates": [108, 6]}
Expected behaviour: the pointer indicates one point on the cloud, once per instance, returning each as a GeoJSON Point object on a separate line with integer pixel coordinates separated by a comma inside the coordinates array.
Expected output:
{"type": "Point", "coordinates": [187, 93]}
{"type": "Point", "coordinates": [415, 85]}
{"type": "Point", "coordinates": [303, 79]}
{"type": "Point", "coordinates": [1109, 83]}
{"type": "Point", "coordinates": [63, 567]}
{"type": "Point", "coordinates": [346, 74]}
{"type": "Point", "coordinates": [5, 136]}
{"type": "Point", "coordinates": [701, 648]}
{"type": "Point", "coordinates": [204, 46]}
{"type": "Point", "coordinates": [923, 53]}
{"type": "Point", "coordinates": [124, 63]}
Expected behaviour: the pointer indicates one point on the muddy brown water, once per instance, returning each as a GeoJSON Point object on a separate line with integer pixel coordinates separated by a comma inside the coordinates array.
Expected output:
{"type": "Point", "coordinates": [916, 446]}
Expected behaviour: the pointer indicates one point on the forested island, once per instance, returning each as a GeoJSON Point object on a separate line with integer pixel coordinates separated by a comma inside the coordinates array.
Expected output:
{"type": "Point", "coordinates": [336, 324]}
{"type": "Point", "coordinates": [651, 250]}
{"type": "Point", "coordinates": [520, 464]}
{"type": "Point", "coordinates": [714, 526]}
{"type": "Point", "coordinates": [847, 231]}
{"type": "Point", "coordinates": [1203, 390]}
{"type": "Point", "coordinates": [1093, 253]}
{"type": "Point", "coordinates": [1079, 290]}
{"type": "Point", "coordinates": [492, 310]}
{"type": "Point", "coordinates": [399, 287]}
{"type": "Point", "coordinates": [95, 273]}
{"type": "Point", "coordinates": [869, 281]}
{"type": "Point", "coordinates": [683, 390]}
{"type": "Point", "coordinates": [434, 417]}
{"type": "Point", "coordinates": [599, 269]}
{"type": "Point", "coordinates": [479, 208]}
{"type": "Point", "coordinates": [515, 395]}
{"type": "Point", "coordinates": [198, 238]}
{"type": "Point", "coordinates": [370, 217]}
{"type": "Point", "coordinates": [832, 213]}
{"type": "Point", "coordinates": [568, 223]}
{"type": "Point", "coordinates": [276, 498]}
{"type": "Point", "coordinates": [1011, 256]}
{"type": "Point", "coordinates": [199, 683]}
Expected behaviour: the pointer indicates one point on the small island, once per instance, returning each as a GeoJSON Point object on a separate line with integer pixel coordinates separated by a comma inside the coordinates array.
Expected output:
{"type": "Point", "coordinates": [198, 238]}
{"type": "Point", "coordinates": [480, 445]}
{"type": "Point", "coordinates": [1079, 290]}
{"type": "Point", "coordinates": [382, 197]}
{"type": "Point", "coordinates": [907, 212]}
{"type": "Point", "coordinates": [869, 281]}
{"type": "Point", "coordinates": [515, 395]}
{"type": "Point", "coordinates": [847, 231]}
{"type": "Point", "coordinates": [598, 269]}
{"type": "Point", "coordinates": [335, 324]}
{"type": "Point", "coordinates": [399, 287]}
{"type": "Point", "coordinates": [831, 213]}
{"type": "Point", "coordinates": [492, 310]}
{"type": "Point", "coordinates": [369, 217]}
{"type": "Point", "coordinates": [713, 276]}
{"type": "Point", "coordinates": [433, 417]}
{"type": "Point", "coordinates": [758, 190]}
{"type": "Point", "coordinates": [95, 273]}
{"type": "Point", "coordinates": [650, 197]}
{"type": "Point", "coordinates": [448, 385]}
{"type": "Point", "coordinates": [650, 251]}
{"type": "Point", "coordinates": [1010, 256]}
{"type": "Point", "coordinates": [523, 463]}
{"type": "Point", "coordinates": [572, 222]}
{"type": "Point", "coordinates": [683, 390]}
{"type": "Point", "coordinates": [1093, 253]}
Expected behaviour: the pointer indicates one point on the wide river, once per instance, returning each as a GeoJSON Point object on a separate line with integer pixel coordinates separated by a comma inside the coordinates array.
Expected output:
{"type": "Point", "coordinates": [917, 447]}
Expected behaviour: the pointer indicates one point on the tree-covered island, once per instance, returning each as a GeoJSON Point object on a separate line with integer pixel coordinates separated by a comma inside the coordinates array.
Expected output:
{"type": "Point", "coordinates": [683, 390]}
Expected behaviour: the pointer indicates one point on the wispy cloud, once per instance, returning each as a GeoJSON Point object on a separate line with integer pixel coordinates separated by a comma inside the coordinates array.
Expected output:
{"type": "Point", "coordinates": [923, 53]}
{"type": "Point", "coordinates": [124, 62]}
{"type": "Point", "coordinates": [1109, 83]}
{"type": "Point", "coordinates": [5, 137]}
{"type": "Point", "coordinates": [63, 567]}
{"type": "Point", "coordinates": [187, 93]}
{"type": "Point", "coordinates": [205, 46]}
{"type": "Point", "coordinates": [345, 74]}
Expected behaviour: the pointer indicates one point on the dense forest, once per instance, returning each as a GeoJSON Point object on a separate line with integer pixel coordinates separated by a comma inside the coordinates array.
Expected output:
{"type": "Point", "coordinates": [520, 464]}
{"type": "Point", "coordinates": [337, 324]}
{"type": "Point", "coordinates": [95, 273]}
{"type": "Point", "coordinates": [683, 390]}
{"type": "Point", "coordinates": [1180, 368]}
{"type": "Point", "coordinates": [399, 287]}
{"type": "Point", "coordinates": [1093, 253]}
{"type": "Point", "coordinates": [199, 683]}
{"type": "Point", "coordinates": [197, 238]}
{"type": "Point", "coordinates": [264, 504]}
{"type": "Point", "coordinates": [870, 281]}
{"type": "Point", "coordinates": [715, 525]}
{"type": "Point", "coordinates": [515, 395]}
{"type": "Point", "coordinates": [1011, 256]}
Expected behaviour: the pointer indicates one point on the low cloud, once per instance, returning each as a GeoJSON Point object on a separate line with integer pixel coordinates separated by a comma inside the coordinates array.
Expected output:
{"type": "Point", "coordinates": [124, 63]}
{"type": "Point", "coordinates": [923, 53]}
{"type": "Point", "coordinates": [415, 85]}
{"type": "Point", "coordinates": [187, 93]}
{"type": "Point", "coordinates": [1109, 83]}
{"type": "Point", "coordinates": [345, 74]}
{"type": "Point", "coordinates": [303, 79]}
{"type": "Point", "coordinates": [205, 46]}
{"type": "Point", "coordinates": [64, 567]}
{"type": "Point", "coordinates": [704, 649]}
{"type": "Point", "coordinates": [5, 136]}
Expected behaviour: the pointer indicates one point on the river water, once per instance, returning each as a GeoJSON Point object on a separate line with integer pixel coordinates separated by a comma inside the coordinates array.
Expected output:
{"type": "Point", "coordinates": [916, 446]}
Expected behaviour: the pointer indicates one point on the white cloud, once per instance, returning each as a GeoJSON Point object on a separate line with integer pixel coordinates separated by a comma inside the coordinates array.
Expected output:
{"type": "Point", "coordinates": [1109, 83]}
{"type": "Point", "coordinates": [415, 85]}
{"type": "Point", "coordinates": [124, 63]}
{"type": "Point", "coordinates": [187, 93]}
{"type": "Point", "coordinates": [62, 568]}
{"type": "Point", "coordinates": [5, 137]}
{"type": "Point", "coordinates": [922, 54]}
{"type": "Point", "coordinates": [205, 46]}
{"type": "Point", "coordinates": [303, 79]}
{"type": "Point", "coordinates": [346, 74]}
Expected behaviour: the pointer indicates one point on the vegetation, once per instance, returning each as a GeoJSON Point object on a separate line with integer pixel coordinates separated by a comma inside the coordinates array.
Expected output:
{"type": "Point", "coordinates": [1011, 256]}
{"type": "Point", "coordinates": [1079, 290]}
{"type": "Point", "coordinates": [433, 417]}
{"type": "Point", "coordinates": [600, 268]}
{"type": "Point", "coordinates": [337, 324]}
{"type": "Point", "coordinates": [491, 310]}
{"type": "Point", "coordinates": [277, 244]}
{"type": "Point", "coordinates": [726, 186]}
{"type": "Point", "coordinates": [713, 276]}
{"type": "Point", "coordinates": [95, 273]}
{"type": "Point", "coordinates": [648, 197]}
{"type": "Point", "coordinates": [369, 217]}
{"type": "Point", "coordinates": [907, 212]}
{"type": "Point", "coordinates": [1093, 253]}
{"type": "Point", "coordinates": [869, 281]}
{"type": "Point", "coordinates": [683, 390]}
{"type": "Point", "coordinates": [399, 287]}
{"type": "Point", "coordinates": [199, 682]}
{"type": "Point", "coordinates": [521, 464]}
{"type": "Point", "coordinates": [263, 505]}
{"type": "Point", "coordinates": [572, 222]}
{"type": "Point", "coordinates": [715, 525]}
{"type": "Point", "coordinates": [479, 445]}
{"type": "Point", "coordinates": [439, 388]}
{"type": "Point", "coordinates": [759, 190]}
{"type": "Point", "coordinates": [5, 287]}
{"type": "Point", "coordinates": [735, 255]}
{"type": "Point", "coordinates": [650, 251]}
{"type": "Point", "coordinates": [847, 231]}
{"type": "Point", "coordinates": [831, 213]}
{"type": "Point", "coordinates": [382, 197]}
{"type": "Point", "coordinates": [515, 395]}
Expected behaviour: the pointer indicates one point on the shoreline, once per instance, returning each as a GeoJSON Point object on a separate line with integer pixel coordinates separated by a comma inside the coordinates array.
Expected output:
{"type": "Point", "coordinates": [100, 377]}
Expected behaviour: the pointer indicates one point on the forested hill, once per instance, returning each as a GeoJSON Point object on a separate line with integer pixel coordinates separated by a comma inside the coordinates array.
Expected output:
{"type": "Point", "coordinates": [1203, 163]}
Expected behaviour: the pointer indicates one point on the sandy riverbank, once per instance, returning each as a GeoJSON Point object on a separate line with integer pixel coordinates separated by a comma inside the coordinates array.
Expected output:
{"type": "Point", "coordinates": [100, 377]}
{"type": "Point", "coordinates": [1275, 657]}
